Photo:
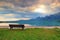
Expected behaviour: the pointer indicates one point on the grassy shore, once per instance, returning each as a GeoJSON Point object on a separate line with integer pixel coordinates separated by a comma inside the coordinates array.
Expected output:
{"type": "Point", "coordinates": [30, 34]}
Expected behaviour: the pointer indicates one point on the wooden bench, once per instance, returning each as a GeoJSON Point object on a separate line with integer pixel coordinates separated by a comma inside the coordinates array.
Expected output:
{"type": "Point", "coordinates": [18, 25]}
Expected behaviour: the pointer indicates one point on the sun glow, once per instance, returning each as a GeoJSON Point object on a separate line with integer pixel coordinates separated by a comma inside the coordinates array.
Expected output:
{"type": "Point", "coordinates": [41, 9]}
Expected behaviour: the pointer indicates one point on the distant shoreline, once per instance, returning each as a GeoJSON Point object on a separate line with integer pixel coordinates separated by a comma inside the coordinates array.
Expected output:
{"type": "Point", "coordinates": [6, 25]}
{"type": "Point", "coordinates": [34, 27]}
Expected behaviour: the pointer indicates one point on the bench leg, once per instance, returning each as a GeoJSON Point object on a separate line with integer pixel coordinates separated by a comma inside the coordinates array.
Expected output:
{"type": "Point", "coordinates": [11, 27]}
{"type": "Point", "coordinates": [22, 28]}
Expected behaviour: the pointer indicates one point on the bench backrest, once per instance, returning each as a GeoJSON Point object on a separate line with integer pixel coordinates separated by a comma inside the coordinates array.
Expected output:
{"type": "Point", "coordinates": [13, 25]}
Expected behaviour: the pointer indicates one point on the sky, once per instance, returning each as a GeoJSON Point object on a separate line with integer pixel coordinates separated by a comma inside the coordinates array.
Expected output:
{"type": "Point", "coordinates": [12, 10]}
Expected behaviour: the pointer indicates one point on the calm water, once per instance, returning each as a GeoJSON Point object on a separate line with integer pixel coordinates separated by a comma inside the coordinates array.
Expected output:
{"type": "Point", "coordinates": [36, 23]}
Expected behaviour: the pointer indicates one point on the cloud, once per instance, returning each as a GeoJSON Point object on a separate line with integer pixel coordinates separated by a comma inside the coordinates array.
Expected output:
{"type": "Point", "coordinates": [25, 18]}
{"type": "Point", "coordinates": [10, 14]}
{"type": "Point", "coordinates": [12, 17]}
{"type": "Point", "coordinates": [14, 8]}
{"type": "Point", "coordinates": [1, 9]}
{"type": "Point", "coordinates": [2, 18]}
{"type": "Point", "coordinates": [26, 5]}
{"type": "Point", "coordinates": [6, 4]}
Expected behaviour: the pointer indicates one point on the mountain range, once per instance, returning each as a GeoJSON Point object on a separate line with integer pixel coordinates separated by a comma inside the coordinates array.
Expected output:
{"type": "Point", "coordinates": [52, 20]}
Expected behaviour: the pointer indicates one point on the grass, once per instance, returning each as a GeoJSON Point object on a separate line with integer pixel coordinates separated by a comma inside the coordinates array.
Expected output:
{"type": "Point", "coordinates": [30, 34]}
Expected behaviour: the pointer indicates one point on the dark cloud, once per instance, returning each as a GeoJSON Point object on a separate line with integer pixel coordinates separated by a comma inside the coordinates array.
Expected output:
{"type": "Point", "coordinates": [28, 4]}
{"type": "Point", "coordinates": [25, 3]}
{"type": "Point", "coordinates": [21, 3]}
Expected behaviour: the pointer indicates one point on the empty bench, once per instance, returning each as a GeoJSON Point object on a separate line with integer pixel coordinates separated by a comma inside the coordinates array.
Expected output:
{"type": "Point", "coordinates": [18, 25]}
